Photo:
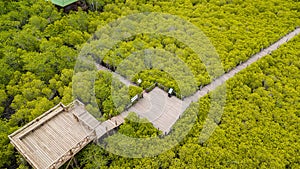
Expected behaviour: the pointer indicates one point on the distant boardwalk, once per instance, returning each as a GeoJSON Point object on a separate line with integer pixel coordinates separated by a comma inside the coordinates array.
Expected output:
{"type": "Point", "coordinates": [222, 79]}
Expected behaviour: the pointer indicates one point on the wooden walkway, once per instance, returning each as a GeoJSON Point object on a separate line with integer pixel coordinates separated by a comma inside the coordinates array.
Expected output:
{"type": "Point", "coordinates": [222, 79]}
{"type": "Point", "coordinates": [163, 111]}
{"type": "Point", "coordinates": [53, 138]}
{"type": "Point", "coordinates": [108, 125]}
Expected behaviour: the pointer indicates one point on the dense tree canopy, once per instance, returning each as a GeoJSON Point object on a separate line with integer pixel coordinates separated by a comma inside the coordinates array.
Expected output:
{"type": "Point", "coordinates": [39, 45]}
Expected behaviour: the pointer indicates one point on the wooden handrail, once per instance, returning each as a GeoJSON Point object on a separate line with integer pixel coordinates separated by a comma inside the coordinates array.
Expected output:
{"type": "Point", "coordinates": [61, 159]}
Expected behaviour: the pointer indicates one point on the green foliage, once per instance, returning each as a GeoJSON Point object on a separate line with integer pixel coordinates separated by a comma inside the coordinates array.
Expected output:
{"type": "Point", "coordinates": [6, 148]}
{"type": "Point", "coordinates": [234, 36]}
{"type": "Point", "coordinates": [30, 98]}
{"type": "Point", "coordinates": [38, 50]}
{"type": "Point", "coordinates": [3, 98]}
{"type": "Point", "coordinates": [112, 96]}
{"type": "Point", "coordinates": [134, 90]}
{"type": "Point", "coordinates": [93, 156]}
{"type": "Point", "coordinates": [138, 128]}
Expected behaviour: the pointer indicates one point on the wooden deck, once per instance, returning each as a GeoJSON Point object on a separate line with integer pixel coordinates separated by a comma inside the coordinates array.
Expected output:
{"type": "Point", "coordinates": [162, 111]}
{"type": "Point", "coordinates": [53, 138]}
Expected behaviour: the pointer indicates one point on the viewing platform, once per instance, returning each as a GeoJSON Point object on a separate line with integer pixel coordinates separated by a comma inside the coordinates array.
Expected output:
{"type": "Point", "coordinates": [53, 138]}
{"type": "Point", "coordinates": [57, 135]}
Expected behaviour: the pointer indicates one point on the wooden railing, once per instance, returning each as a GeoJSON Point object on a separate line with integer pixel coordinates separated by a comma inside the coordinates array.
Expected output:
{"type": "Point", "coordinates": [65, 157]}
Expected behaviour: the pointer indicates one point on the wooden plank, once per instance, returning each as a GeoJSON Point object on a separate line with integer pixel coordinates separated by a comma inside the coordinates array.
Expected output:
{"type": "Point", "coordinates": [86, 118]}
{"type": "Point", "coordinates": [42, 140]}
{"type": "Point", "coordinates": [31, 147]}
{"type": "Point", "coordinates": [60, 133]}
{"type": "Point", "coordinates": [66, 157]}
{"type": "Point", "coordinates": [79, 110]}
{"type": "Point", "coordinates": [57, 145]}
{"type": "Point", "coordinates": [41, 158]}
{"type": "Point", "coordinates": [42, 145]}
{"type": "Point", "coordinates": [52, 134]}
{"type": "Point", "coordinates": [49, 141]}
{"type": "Point", "coordinates": [20, 146]}
{"type": "Point", "coordinates": [41, 121]}
{"type": "Point", "coordinates": [164, 111]}
{"type": "Point", "coordinates": [44, 115]}
{"type": "Point", "coordinates": [67, 119]}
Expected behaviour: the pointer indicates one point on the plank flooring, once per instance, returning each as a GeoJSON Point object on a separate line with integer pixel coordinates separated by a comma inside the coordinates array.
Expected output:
{"type": "Point", "coordinates": [46, 140]}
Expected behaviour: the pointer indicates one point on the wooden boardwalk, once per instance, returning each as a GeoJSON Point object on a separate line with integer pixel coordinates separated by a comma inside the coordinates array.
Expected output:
{"type": "Point", "coordinates": [163, 111]}
{"type": "Point", "coordinates": [53, 138]}
{"type": "Point", "coordinates": [108, 125]}
{"type": "Point", "coordinates": [222, 79]}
